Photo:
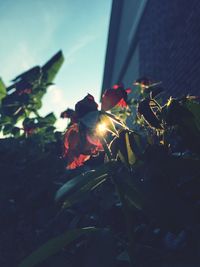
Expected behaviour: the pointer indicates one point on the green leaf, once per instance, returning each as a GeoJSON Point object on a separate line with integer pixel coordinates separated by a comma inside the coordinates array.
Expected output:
{"type": "Point", "coordinates": [130, 153]}
{"type": "Point", "coordinates": [115, 119]}
{"type": "Point", "coordinates": [3, 92]}
{"type": "Point", "coordinates": [53, 246]}
{"type": "Point", "coordinates": [6, 120]}
{"type": "Point", "coordinates": [146, 111]}
{"type": "Point", "coordinates": [46, 121]}
{"type": "Point", "coordinates": [83, 183]}
{"type": "Point", "coordinates": [51, 68]}
{"type": "Point", "coordinates": [133, 197]}
{"type": "Point", "coordinates": [194, 107]}
{"type": "Point", "coordinates": [127, 147]}
{"type": "Point", "coordinates": [7, 129]}
{"type": "Point", "coordinates": [16, 131]}
{"type": "Point", "coordinates": [130, 192]}
{"type": "Point", "coordinates": [83, 190]}
{"type": "Point", "coordinates": [50, 118]}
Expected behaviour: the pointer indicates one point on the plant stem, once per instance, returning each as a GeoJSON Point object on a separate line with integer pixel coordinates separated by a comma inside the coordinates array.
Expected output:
{"type": "Point", "coordinates": [106, 148]}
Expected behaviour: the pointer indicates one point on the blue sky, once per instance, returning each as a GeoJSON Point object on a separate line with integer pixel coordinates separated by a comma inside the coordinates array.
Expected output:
{"type": "Point", "coordinates": [33, 31]}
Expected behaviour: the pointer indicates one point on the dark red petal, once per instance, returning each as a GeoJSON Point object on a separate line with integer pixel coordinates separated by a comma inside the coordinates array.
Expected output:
{"type": "Point", "coordinates": [71, 138]}
{"type": "Point", "coordinates": [110, 98]}
{"type": "Point", "coordinates": [77, 161]}
{"type": "Point", "coordinates": [77, 149]}
{"type": "Point", "coordinates": [87, 104]}
{"type": "Point", "coordinates": [94, 140]}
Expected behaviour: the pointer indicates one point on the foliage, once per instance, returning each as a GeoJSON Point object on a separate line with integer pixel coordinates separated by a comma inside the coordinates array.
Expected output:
{"type": "Point", "coordinates": [168, 132]}
{"type": "Point", "coordinates": [23, 98]}
{"type": "Point", "coordinates": [136, 189]}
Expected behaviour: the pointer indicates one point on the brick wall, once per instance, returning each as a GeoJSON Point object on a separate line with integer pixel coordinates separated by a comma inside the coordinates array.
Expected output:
{"type": "Point", "coordinates": [169, 45]}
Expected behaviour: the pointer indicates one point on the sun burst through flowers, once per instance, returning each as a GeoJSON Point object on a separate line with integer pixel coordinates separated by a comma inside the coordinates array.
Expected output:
{"type": "Point", "coordinates": [101, 129]}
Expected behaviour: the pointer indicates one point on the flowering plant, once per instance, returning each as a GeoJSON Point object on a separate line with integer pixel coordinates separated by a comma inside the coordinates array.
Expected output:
{"type": "Point", "coordinates": [146, 174]}
{"type": "Point", "coordinates": [131, 158]}
{"type": "Point", "coordinates": [84, 136]}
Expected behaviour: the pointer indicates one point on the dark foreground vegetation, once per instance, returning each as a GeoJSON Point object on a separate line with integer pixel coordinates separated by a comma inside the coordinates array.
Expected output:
{"type": "Point", "coordinates": [117, 189]}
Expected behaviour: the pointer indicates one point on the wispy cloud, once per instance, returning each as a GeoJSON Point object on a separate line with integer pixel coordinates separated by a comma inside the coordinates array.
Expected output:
{"type": "Point", "coordinates": [24, 54]}
{"type": "Point", "coordinates": [80, 44]}
{"type": "Point", "coordinates": [54, 98]}
{"type": "Point", "coordinates": [55, 101]}
{"type": "Point", "coordinates": [17, 61]}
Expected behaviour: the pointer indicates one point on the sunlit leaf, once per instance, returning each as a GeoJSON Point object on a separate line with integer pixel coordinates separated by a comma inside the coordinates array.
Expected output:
{"type": "Point", "coordinates": [2, 90]}
{"type": "Point", "coordinates": [150, 117]}
{"type": "Point", "coordinates": [109, 123]}
{"type": "Point", "coordinates": [131, 155]}
{"type": "Point", "coordinates": [115, 119]}
{"type": "Point", "coordinates": [127, 146]}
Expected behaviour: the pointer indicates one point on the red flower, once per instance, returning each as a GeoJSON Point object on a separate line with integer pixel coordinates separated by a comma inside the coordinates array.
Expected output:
{"type": "Point", "coordinates": [116, 96]}
{"type": "Point", "coordinates": [79, 142]}
{"type": "Point", "coordinates": [84, 106]}
{"type": "Point", "coordinates": [79, 147]}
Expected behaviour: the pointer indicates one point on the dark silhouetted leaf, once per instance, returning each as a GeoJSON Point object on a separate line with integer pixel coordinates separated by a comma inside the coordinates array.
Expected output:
{"type": "Point", "coordinates": [51, 68]}
{"type": "Point", "coordinates": [84, 182]}
{"type": "Point", "coordinates": [150, 117]}
{"type": "Point", "coordinates": [53, 246]}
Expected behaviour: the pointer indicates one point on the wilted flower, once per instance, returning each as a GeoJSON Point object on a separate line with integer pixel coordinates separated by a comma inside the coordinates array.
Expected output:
{"type": "Point", "coordinates": [70, 114]}
{"type": "Point", "coordinates": [72, 147]}
{"type": "Point", "coordinates": [83, 138]}
{"type": "Point", "coordinates": [87, 104]}
{"type": "Point", "coordinates": [116, 96]}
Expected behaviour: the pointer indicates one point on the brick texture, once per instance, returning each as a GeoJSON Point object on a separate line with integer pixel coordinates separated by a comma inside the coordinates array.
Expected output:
{"type": "Point", "coordinates": [169, 45]}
